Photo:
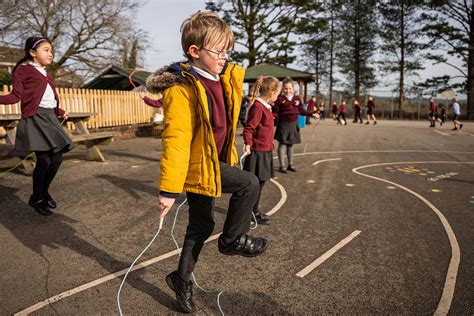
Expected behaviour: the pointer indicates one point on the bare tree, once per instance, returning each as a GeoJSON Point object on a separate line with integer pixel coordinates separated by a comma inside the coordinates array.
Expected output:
{"type": "Point", "coordinates": [86, 34]}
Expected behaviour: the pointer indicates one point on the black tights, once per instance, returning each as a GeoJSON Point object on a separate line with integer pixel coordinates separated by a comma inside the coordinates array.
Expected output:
{"type": "Point", "coordinates": [47, 165]}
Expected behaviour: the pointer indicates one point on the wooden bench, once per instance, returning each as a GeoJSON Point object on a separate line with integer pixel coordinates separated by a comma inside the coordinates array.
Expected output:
{"type": "Point", "coordinates": [91, 141]}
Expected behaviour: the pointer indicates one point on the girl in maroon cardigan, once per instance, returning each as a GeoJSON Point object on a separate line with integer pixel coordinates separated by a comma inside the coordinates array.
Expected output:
{"type": "Point", "coordinates": [287, 108]}
{"type": "Point", "coordinates": [39, 130]}
{"type": "Point", "coordinates": [258, 135]}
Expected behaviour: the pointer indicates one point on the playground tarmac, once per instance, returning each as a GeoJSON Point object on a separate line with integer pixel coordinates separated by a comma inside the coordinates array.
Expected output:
{"type": "Point", "coordinates": [378, 219]}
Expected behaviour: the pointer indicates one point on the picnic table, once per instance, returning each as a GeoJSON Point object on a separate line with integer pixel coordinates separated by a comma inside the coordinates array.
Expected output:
{"type": "Point", "coordinates": [82, 135]}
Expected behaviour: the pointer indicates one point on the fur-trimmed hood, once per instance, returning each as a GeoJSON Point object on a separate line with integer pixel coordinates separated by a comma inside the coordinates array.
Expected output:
{"type": "Point", "coordinates": [166, 77]}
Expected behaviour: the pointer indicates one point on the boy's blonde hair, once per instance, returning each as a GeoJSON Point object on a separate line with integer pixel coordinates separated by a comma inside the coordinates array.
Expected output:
{"type": "Point", "coordinates": [205, 28]}
{"type": "Point", "coordinates": [264, 86]}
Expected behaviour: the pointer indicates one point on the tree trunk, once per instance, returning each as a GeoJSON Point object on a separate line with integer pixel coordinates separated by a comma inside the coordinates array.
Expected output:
{"type": "Point", "coordinates": [331, 57]}
{"type": "Point", "coordinates": [401, 97]}
{"type": "Point", "coordinates": [357, 61]}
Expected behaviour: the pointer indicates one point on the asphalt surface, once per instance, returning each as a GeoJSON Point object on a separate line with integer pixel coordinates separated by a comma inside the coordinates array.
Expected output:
{"type": "Point", "coordinates": [408, 242]}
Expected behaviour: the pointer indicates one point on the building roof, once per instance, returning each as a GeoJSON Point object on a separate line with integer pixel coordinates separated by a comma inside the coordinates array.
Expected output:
{"type": "Point", "coordinates": [280, 72]}
{"type": "Point", "coordinates": [116, 78]}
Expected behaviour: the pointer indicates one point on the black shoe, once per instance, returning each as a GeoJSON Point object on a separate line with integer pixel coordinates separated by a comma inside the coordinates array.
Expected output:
{"type": "Point", "coordinates": [282, 169]}
{"type": "Point", "coordinates": [49, 201]}
{"type": "Point", "coordinates": [243, 245]}
{"type": "Point", "coordinates": [375, 122]}
{"type": "Point", "coordinates": [183, 290]}
{"type": "Point", "coordinates": [367, 123]}
{"type": "Point", "coordinates": [460, 126]}
{"type": "Point", "coordinates": [455, 129]}
{"type": "Point", "coordinates": [291, 168]}
{"type": "Point", "coordinates": [262, 219]}
{"type": "Point", "coordinates": [40, 206]}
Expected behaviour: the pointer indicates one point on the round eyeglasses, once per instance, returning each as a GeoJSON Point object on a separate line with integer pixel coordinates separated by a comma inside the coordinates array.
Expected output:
{"type": "Point", "coordinates": [219, 55]}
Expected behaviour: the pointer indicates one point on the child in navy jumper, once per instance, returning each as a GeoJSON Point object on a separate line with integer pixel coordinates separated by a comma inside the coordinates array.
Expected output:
{"type": "Point", "coordinates": [287, 108]}
{"type": "Point", "coordinates": [258, 135]}
{"type": "Point", "coordinates": [39, 130]}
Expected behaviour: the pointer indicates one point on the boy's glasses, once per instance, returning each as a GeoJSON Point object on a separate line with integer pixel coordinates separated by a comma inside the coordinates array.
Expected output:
{"type": "Point", "coordinates": [219, 55]}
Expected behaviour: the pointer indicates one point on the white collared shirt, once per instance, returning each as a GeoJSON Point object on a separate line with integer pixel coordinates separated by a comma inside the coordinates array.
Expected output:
{"type": "Point", "coordinates": [207, 75]}
{"type": "Point", "coordinates": [265, 104]}
{"type": "Point", "coordinates": [288, 97]}
{"type": "Point", "coordinates": [48, 100]}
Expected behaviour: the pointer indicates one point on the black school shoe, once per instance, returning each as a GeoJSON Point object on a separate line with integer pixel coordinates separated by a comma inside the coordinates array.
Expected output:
{"type": "Point", "coordinates": [49, 201]}
{"type": "Point", "coordinates": [243, 245]}
{"type": "Point", "coordinates": [40, 206]}
{"type": "Point", "coordinates": [183, 290]}
{"type": "Point", "coordinates": [291, 168]}
{"type": "Point", "coordinates": [262, 219]}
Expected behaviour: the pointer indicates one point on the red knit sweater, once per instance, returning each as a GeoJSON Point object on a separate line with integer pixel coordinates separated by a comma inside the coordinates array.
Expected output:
{"type": "Point", "coordinates": [286, 110]}
{"type": "Point", "coordinates": [258, 131]}
{"type": "Point", "coordinates": [28, 87]}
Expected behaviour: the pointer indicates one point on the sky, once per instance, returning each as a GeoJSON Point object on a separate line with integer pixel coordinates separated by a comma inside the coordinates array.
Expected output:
{"type": "Point", "coordinates": [162, 20]}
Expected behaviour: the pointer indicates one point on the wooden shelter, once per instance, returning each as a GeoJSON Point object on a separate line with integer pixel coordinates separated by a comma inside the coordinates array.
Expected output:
{"type": "Point", "coordinates": [116, 78]}
{"type": "Point", "coordinates": [280, 72]}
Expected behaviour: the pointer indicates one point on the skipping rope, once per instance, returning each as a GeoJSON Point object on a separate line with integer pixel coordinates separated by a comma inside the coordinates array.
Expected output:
{"type": "Point", "coordinates": [179, 253]}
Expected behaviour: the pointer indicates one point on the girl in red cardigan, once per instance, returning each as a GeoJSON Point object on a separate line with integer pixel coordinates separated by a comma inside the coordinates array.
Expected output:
{"type": "Point", "coordinates": [287, 108]}
{"type": "Point", "coordinates": [39, 130]}
{"type": "Point", "coordinates": [258, 135]}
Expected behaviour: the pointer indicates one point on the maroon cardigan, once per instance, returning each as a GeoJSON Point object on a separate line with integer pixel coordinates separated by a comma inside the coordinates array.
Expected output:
{"type": "Point", "coordinates": [153, 102]}
{"type": "Point", "coordinates": [286, 110]}
{"type": "Point", "coordinates": [258, 131]}
{"type": "Point", "coordinates": [28, 87]}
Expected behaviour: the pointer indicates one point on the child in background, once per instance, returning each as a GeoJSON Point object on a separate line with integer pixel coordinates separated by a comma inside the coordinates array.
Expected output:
{"type": "Point", "coordinates": [39, 130]}
{"type": "Point", "coordinates": [258, 135]}
{"type": "Point", "coordinates": [321, 111]}
{"type": "Point", "coordinates": [287, 108]}
{"type": "Point", "coordinates": [456, 114]}
{"type": "Point", "coordinates": [312, 107]}
{"type": "Point", "coordinates": [201, 102]}
{"type": "Point", "coordinates": [334, 110]}
{"type": "Point", "coordinates": [370, 110]}
{"type": "Point", "coordinates": [357, 116]}
{"type": "Point", "coordinates": [342, 113]}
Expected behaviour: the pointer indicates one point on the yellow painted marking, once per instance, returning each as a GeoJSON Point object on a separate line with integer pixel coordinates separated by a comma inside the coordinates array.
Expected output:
{"type": "Point", "coordinates": [310, 181]}
{"type": "Point", "coordinates": [76, 161]}
{"type": "Point", "coordinates": [435, 190]}
{"type": "Point", "coordinates": [391, 188]}
{"type": "Point", "coordinates": [350, 185]}
{"type": "Point", "coordinates": [423, 174]}
{"type": "Point", "coordinates": [135, 166]}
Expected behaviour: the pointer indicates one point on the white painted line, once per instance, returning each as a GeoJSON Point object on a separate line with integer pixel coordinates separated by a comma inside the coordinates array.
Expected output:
{"type": "Point", "coordinates": [327, 254]}
{"type": "Point", "coordinates": [442, 133]}
{"type": "Point", "coordinates": [141, 265]}
{"type": "Point", "coordinates": [282, 199]}
{"type": "Point", "coordinates": [451, 275]}
{"type": "Point", "coordinates": [324, 160]}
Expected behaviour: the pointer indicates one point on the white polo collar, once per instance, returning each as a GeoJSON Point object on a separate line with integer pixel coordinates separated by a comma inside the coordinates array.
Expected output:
{"type": "Point", "coordinates": [206, 75]}
{"type": "Point", "coordinates": [265, 104]}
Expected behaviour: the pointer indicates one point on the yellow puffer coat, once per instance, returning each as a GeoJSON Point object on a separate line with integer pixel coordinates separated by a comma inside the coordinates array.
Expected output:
{"type": "Point", "coordinates": [190, 161]}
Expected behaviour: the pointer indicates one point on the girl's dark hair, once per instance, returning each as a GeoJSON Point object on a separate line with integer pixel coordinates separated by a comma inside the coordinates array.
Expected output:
{"type": "Point", "coordinates": [31, 43]}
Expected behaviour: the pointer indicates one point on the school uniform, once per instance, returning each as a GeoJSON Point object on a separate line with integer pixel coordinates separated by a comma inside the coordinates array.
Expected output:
{"type": "Point", "coordinates": [200, 119]}
{"type": "Point", "coordinates": [370, 107]}
{"type": "Point", "coordinates": [258, 133]}
{"type": "Point", "coordinates": [342, 113]}
{"type": "Point", "coordinates": [357, 113]}
{"type": "Point", "coordinates": [287, 110]}
{"type": "Point", "coordinates": [39, 129]}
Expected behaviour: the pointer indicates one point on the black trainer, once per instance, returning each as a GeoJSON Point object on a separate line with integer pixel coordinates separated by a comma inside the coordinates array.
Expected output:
{"type": "Point", "coordinates": [40, 206]}
{"type": "Point", "coordinates": [291, 168]}
{"type": "Point", "coordinates": [282, 169]}
{"type": "Point", "coordinates": [243, 245]}
{"type": "Point", "coordinates": [183, 290]}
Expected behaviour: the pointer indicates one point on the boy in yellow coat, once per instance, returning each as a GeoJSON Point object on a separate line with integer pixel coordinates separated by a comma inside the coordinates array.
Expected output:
{"type": "Point", "coordinates": [201, 102]}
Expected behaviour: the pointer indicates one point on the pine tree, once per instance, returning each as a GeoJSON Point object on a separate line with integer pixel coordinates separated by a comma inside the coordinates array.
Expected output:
{"type": "Point", "coordinates": [400, 32]}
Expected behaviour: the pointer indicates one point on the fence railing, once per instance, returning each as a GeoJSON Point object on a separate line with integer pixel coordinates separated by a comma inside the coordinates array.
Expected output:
{"type": "Point", "coordinates": [113, 107]}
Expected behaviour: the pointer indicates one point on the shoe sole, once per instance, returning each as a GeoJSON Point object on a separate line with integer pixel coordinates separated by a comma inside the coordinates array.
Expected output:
{"type": "Point", "coordinates": [171, 286]}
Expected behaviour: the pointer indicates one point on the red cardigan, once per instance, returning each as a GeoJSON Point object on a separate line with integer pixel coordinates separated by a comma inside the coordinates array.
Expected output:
{"type": "Point", "coordinates": [258, 131]}
{"type": "Point", "coordinates": [28, 87]}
